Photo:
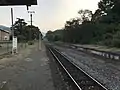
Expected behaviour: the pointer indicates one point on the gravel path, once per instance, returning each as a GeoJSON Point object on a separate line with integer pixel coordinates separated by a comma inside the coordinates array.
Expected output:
{"type": "Point", "coordinates": [106, 73]}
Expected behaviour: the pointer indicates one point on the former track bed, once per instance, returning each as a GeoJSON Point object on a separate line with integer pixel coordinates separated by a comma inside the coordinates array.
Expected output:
{"type": "Point", "coordinates": [79, 79]}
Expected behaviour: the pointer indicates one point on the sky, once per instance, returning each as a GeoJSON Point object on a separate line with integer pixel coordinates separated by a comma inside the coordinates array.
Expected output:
{"type": "Point", "coordinates": [49, 14]}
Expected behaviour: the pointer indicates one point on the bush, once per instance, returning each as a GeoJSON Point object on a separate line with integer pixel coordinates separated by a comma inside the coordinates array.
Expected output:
{"type": "Point", "coordinates": [30, 43]}
{"type": "Point", "coordinates": [116, 43]}
{"type": "Point", "coordinates": [107, 42]}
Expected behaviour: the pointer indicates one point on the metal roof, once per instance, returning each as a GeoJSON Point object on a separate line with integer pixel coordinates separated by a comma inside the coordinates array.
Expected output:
{"type": "Point", "coordinates": [5, 31]}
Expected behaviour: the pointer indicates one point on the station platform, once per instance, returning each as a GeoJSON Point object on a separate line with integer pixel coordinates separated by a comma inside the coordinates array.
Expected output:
{"type": "Point", "coordinates": [31, 72]}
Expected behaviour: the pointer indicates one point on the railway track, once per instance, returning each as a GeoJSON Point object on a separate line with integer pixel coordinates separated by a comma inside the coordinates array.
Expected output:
{"type": "Point", "coordinates": [79, 79]}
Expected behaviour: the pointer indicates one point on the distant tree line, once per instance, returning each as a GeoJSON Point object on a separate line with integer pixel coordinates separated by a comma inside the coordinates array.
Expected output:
{"type": "Point", "coordinates": [101, 27]}
{"type": "Point", "coordinates": [25, 32]}
{"type": "Point", "coordinates": [55, 36]}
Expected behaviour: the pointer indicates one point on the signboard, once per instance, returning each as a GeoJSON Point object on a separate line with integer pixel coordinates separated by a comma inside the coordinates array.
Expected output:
{"type": "Point", "coordinates": [17, 2]}
{"type": "Point", "coordinates": [14, 50]}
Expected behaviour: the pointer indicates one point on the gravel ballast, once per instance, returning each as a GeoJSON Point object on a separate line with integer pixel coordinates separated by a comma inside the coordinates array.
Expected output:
{"type": "Point", "coordinates": [105, 72]}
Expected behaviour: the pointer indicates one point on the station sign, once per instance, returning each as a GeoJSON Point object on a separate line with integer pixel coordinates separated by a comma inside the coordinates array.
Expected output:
{"type": "Point", "coordinates": [17, 2]}
{"type": "Point", "coordinates": [14, 45]}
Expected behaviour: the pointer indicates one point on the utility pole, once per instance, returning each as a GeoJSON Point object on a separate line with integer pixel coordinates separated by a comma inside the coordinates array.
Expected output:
{"type": "Point", "coordinates": [12, 31]}
{"type": "Point", "coordinates": [12, 22]}
{"type": "Point", "coordinates": [31, 26]}
{"type": "Point", "coordinates": [31, 18]}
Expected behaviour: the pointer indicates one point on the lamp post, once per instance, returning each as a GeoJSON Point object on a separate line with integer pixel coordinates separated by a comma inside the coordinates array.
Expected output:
{"type": "Point", "coordinates": [40, 41]}
{"type": "Point", "coordinates": [31, 17]}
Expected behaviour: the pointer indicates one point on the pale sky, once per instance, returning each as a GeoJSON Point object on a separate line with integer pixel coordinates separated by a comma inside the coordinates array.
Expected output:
{"type": "Point", "coordinates": [49, 14]}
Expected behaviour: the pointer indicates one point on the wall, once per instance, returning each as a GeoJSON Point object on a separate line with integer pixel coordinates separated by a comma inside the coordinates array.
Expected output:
{"type": "Point", "coordinates": [4, 35]}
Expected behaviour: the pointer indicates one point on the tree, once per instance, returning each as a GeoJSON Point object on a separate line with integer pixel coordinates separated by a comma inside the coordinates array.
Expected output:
{"type": "Point", "coordinates": [22, 30]}
{"type": "Point", "coordinates": [35, 31]}
{"type": "Point", "coordinates": [49, 35]}
{"type": "Point", "coordinates": [96, 16]}
{"type": "Point", "coordinates": [57, 35]}
{"type": "Point", "coordinates": [110, 9]}
{"type": "Point", "coordinates": [102, 27]}
{"type": "Point", "coordinates": [70, 31]}
{"type": "Point", "coordinates": [19, 28]}
{"type": "Point", "coordinates": [85, 15]}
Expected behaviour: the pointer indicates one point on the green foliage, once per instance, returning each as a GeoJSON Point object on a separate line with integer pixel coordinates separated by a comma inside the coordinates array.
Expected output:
{"type": "Point", "coordinates": [55, 36]}
{"type": "Point", "coordinates": [102, 27]}
{"type": "Point", "coordinates": [30, 43]}
{"type": "Point", "coordinates": [24, 31]}
{"type": "Point", "coordinates": [116, 39]}
{"type": "Point", "coordinates": [85, 15]}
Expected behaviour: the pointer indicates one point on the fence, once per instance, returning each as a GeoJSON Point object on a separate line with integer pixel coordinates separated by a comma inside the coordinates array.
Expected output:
{"type": "Point", "coordinates": [6, 46]}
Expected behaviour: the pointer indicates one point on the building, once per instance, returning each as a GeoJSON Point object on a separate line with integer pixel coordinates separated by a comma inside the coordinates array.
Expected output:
{"type": "Point", "coordinates": [4, 35]}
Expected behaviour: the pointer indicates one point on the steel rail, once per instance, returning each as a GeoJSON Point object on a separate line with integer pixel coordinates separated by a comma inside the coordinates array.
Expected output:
{"type": "Point", "coordinates": [72, 78]}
